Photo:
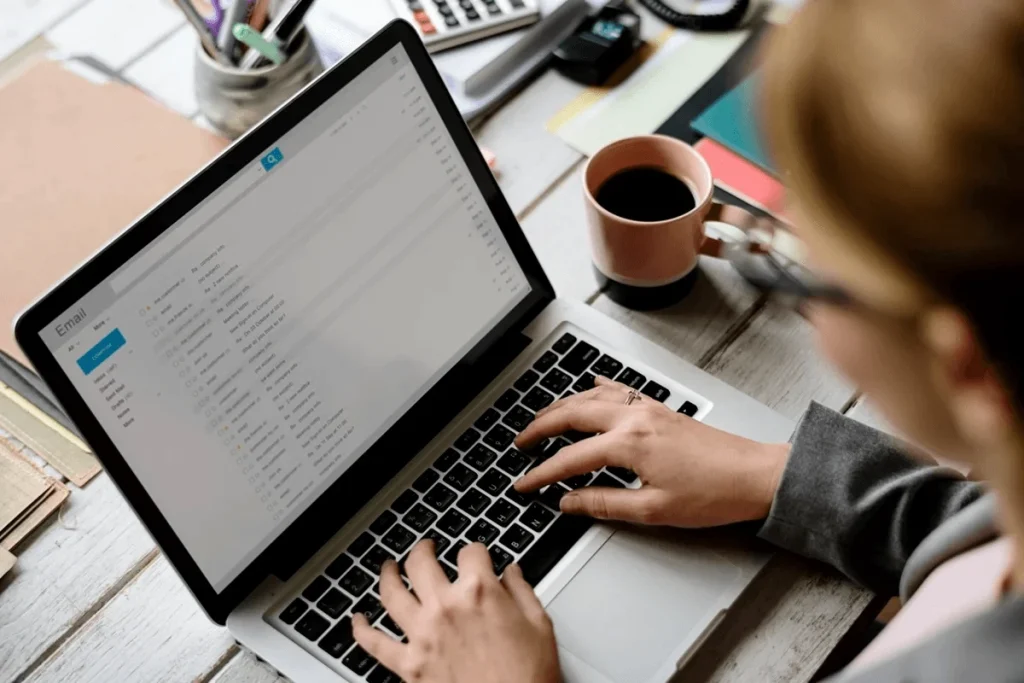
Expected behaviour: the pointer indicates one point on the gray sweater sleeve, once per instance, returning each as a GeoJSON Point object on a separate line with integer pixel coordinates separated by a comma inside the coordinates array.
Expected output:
{"type": "Point", "coordinates": [849, 496]}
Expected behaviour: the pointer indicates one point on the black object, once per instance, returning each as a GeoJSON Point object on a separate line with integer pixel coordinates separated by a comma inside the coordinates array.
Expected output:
{"type": "Point", "coordinates": [645, 194]}
{"type": "Point", "coordinates": [599, 45]}
{"type": "Point", "coordinates": [725, 21]}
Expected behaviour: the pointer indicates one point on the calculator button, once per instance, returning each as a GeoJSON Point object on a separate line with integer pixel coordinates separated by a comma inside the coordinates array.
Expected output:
{"type": "Point", "coordinates": [451, 22]}
{"type": "Point", "coordinates": [428, 28]}
{"type": "Point", "coordinates": [421, 17]}
{"type": "Point", "coordinates": [445, 11]}
{"type": "Point", "coordinates": [493, 9]}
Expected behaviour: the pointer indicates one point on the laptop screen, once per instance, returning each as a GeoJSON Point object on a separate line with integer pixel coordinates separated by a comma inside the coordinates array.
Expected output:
{"type": "Point", "coordinates": [246, 358]}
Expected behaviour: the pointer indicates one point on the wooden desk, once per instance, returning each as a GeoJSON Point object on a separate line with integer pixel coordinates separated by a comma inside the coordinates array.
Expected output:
{"type": "Point", "coordinates": [93, 600]}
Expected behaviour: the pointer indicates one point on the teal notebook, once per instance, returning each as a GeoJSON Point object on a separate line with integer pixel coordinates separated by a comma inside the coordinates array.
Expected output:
{"type": "Point", "coordinates": [731, 122]}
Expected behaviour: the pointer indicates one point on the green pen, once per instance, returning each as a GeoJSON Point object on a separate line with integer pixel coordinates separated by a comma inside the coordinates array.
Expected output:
{"type": "Point", "coordinates": [249, 36]}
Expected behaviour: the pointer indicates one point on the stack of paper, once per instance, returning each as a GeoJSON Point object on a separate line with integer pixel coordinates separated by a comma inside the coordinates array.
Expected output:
{"type": "Point", "coordinates": [27, 498]}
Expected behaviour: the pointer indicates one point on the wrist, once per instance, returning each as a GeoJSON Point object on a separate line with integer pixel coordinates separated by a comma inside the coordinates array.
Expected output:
{"type": "Point", "coordinates": [765, 476]}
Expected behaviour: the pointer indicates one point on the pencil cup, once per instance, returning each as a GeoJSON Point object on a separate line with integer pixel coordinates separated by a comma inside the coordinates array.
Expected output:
{"type": "Point", "coordinates": [234, 99]}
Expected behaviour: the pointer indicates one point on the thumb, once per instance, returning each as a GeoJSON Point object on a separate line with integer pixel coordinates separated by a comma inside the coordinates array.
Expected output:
{"type": "Point", "coordinates": [601, 502]}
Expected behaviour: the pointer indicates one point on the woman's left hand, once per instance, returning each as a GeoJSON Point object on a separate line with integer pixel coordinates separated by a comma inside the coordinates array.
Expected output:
{"type": "Point", "coordinates": [477, 630]}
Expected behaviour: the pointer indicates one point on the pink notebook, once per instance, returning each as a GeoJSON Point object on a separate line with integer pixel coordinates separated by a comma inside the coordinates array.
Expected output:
{"type": "Point", "coordinates": [741, 178]}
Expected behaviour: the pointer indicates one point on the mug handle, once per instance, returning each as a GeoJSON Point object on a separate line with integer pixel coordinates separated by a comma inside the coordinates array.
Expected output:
{"type": "Point", "coordinates": [739, 226]}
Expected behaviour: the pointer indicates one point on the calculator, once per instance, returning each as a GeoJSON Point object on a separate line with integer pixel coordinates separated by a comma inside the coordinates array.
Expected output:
{"type": "Point", "coordinates": [446, 23]}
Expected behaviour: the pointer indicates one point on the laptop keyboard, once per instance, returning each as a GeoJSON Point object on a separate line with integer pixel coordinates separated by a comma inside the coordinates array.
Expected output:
{"type": "Point", "coordinates": [466, 496]}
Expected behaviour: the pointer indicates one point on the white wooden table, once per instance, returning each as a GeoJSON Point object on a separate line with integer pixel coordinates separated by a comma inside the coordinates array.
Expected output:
{"type": "Point", "coordinates": [93, 600]}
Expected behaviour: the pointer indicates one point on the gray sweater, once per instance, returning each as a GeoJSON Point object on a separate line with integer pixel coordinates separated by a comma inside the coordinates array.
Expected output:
{"type": "Point", "coordinates": [851, 497]}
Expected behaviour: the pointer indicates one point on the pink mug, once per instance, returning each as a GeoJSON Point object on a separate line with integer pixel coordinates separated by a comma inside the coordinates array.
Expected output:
{"type": "Point", "coordinates": [649, 265]}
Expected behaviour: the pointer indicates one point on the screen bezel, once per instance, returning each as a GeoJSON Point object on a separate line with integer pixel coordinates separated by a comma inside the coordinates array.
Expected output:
{"type": "Point", "coordinates": [305, 535]}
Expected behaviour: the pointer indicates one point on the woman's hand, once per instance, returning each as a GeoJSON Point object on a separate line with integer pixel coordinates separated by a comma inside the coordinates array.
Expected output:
{"type": "Point", "coordinates": [692, 475]}
{"type": "Point", "coordinates": [476, 630]}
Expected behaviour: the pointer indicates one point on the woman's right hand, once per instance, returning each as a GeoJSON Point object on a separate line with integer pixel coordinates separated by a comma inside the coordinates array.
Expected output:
{"type": "Point", "coordinates": [692, 475]}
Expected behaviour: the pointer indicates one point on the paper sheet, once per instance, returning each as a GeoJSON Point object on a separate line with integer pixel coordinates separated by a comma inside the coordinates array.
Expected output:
{"type": "Point", "coordinates": [659, 87]}
{"type": "Point", "coordinates": [167, 72]}
{"type": "Point", "coordinates": [23, 20]}
{"type": "Point", "coordinates": [115, 31]}
{"type": "Point", "coordinates": [22, 486]}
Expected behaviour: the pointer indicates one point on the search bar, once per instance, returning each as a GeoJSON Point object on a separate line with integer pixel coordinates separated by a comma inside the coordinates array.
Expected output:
{"type": "Point", "coordinates": [181, 233]}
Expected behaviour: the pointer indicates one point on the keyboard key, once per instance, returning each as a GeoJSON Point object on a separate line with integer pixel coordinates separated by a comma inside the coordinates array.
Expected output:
{"type": "Point", "coordinates": [404, 501]}
{"type": "Point", "coordinates": [523, 499]}
{"type": "Point", "coordinates": [655, 391]}
{"type": "Point", "coordinates": [494, 482]}
{"type": "Point", "coordinates": [419, 518]}
{"type": "Point", "coordinates": [440, 497]}
{"type": "Point", "coordinates": [579, 359]}
{"type": "Point", "coordinates": [499, 559]}
{"type": "Point", "coordinates": [604, 479]}
{"type": "Point", "coordinates": [334, 603]}
{"type": "Point", "coordinates": [316, 588]}
{"type": "Point", "coordinates": [453, 553]}
{"type": "Point", "coordinates": [383, 522]}
{"type": "Point", "coordinates": [295, 609]}
{"type": "Point", "coordinates": [502, 512]}
{"type": "Point", "coordinates": [537, 517]}
{"type": "Point", "coordinates": [449, 571]}
{"type": "Point", "coordinates": [584, 383]}
{"type": "Point", "coordinates": [481, 458]}
{"type": "Point", "coordinates": [453, 523]}
{"type": "Point", "coordinates": [545, 362]}
{"type": "Point", "coordinates": [370, 606]}
{"type": "Point", "coordinates": [487, 420]}
{"type": "Point", "coordinates": [338, 639]}
{"type": "Point", "coordinates": [375, 558]}
{"type": "Point", "coordinates": [446, 460]}
{"type": "Point", "coordinates": [441, 542]}
{"type": "Point", "coordinates": [482, 532]}
{"type": "Point", "coordinates": [426, 480]}
{"type": "Point", "coordinates": [389, 623]}
{"type": "Point", "coordinates": [383, 675]}
{"type": "Point", "coordinates": [566, 395]}
{"type": "Point", "coordinates": [518, 418]}
{"type": "Point", "coordinates": [552, 447]}
{"type": "Point", "coordinates": [516, 538]}
{"type": "Point", "coordinates": [339, 566]}
{"type": "Point", "coordinates": [507, 400]}
{"type": "Point", "coordinates": [628, 476]}
{"type": "Point", "coordinates": [312, 625]}
{"type": "Point", "coordinates": [360, 545]}
{"type": "Point", "coordinates": [473, 502]}
{"type": "Point", "coordinates": [575, 436]}
{"type": "Point", "coordinates": [607, 366]}
{"type": "Point", "coordinates": [551, 546]}
{"type": "Point", "coordinates": [355, 582]}
{"type": "Point", "coordinates": [564, 343]}
{"type": "Point", "coordinates": [513, 462]}
{"type": "Point", "coordinates": [538, 399]}
{"type": "Point", "coordinates": [556, 380]}
{"type": "Point", "coordinates": [578, 482]}
{"type": "Point", "coordinates": [468, 438]}
{"type": "Point", "coordinates": [631, 378]}
{"type": "Point", "coordinates": [460, 477]}
{"type": "Point", "coordinates": [398, 539]}
{"type": "Point", "coordinates": [499, 438]}
{"type": "Point", "coordinates": [688, 409]}
{"type": "Point", "coordinates": [526, 380]}
{"type": "Point", "coordinates": [359, 661]}
{"type": "Point", "coordinates": [552, 495]}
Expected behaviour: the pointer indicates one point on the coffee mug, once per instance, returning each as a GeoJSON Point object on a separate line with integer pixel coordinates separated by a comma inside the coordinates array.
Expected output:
{"type": "Point", "coordinates": [649, 264]}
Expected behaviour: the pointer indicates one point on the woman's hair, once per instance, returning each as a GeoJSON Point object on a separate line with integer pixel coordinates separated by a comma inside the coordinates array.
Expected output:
{"type": "Point", "coordinates": [903, 121]}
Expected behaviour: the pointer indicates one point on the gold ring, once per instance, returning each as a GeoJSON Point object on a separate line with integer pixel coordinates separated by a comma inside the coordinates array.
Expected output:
{"type": "Point", "coordinates": [632, 397]}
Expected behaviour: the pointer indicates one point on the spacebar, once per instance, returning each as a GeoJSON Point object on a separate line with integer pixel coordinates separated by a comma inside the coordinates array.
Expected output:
{"type": "Point", "coordinates": [552, 546]}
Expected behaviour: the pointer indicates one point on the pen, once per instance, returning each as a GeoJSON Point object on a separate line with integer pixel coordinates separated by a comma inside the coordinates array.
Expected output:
{"type": "Point", "coordinates": [281, 30]}
{"type": "Point", "coordinates": [199, 24]}
{"type": "Point", "coordinates": [258, 18]}
{"type": "Point", "coordinates": [234, 14]}
{"type": "Point", "coordinates": [259, 45]}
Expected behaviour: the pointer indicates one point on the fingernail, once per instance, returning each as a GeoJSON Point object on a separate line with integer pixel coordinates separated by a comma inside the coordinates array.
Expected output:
{"type": "Point", "coordinates": [569, 502]}
{"type": "Point", "coordinates": [386, 564]}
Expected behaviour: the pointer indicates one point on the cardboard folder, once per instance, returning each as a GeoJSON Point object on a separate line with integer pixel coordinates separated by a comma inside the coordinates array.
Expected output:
{"type": "Point", "coordinates": [82, 157]}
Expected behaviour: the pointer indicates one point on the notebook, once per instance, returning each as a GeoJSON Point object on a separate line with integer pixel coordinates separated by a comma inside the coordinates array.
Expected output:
{"type": "Point", "coordinates": [732, 121]}
{"type": "Point", "coordinates": [743, 180]}
{"type": "Point", "coordinates": [84, 157]}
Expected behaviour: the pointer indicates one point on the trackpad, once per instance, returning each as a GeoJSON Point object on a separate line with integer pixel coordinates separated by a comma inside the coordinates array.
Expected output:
{"type": "Point", "coordinates": [633, 605]}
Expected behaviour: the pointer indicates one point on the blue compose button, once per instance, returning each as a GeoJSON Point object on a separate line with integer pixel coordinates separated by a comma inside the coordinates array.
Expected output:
{"type": "Point", "coordinates": [272, 159]}
{"type": "Point", "coordinates": [95, 356]}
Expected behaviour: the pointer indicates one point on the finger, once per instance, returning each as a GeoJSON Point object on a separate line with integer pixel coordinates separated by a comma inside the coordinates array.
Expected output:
{"type": "Point", "coordinates": [600, 502]}
{"type": "Point", "coordinates": [586, 416]}
{"type": "Point", "coordinates": [474, 559]}
{"type": "Point", "coordinates": [400, 603]}
{"type": "Point", "coordinates": [522, 592]}
{"type": "Point", "coordinates": [385, 649]}
{"type": "Point", "coordinates": [588, 455]}
{"type": "Point", "coordinates": [603, 381]}
{"type": "Point", "coordinates": [424, 572]}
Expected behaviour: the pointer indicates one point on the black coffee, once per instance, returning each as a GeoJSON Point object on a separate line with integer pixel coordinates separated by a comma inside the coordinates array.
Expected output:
{"type": "Point", "coordinates": [645, 194]}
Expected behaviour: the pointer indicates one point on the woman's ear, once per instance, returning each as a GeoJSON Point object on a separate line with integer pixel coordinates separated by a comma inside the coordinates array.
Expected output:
{"type": "Point", "coordinates": [977, 397]}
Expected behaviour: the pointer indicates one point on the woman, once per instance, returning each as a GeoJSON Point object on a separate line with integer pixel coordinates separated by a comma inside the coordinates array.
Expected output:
{"type": "Point", "coordinates": [901, 126]}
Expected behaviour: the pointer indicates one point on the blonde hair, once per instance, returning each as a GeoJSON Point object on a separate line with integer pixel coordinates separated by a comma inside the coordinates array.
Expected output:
{"type": "Point", "coordinates": [903, 120]}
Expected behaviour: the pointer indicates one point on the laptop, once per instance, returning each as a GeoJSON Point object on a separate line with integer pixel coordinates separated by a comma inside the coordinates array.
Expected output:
{"type": "Point", "coordinates": [318, 351]}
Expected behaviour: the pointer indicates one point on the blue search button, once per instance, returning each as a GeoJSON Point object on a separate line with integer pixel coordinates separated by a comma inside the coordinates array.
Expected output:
{"type": "Point", "coordinates": [94, 357]}
{"type": "Point", "coordinates": [272, 159]}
